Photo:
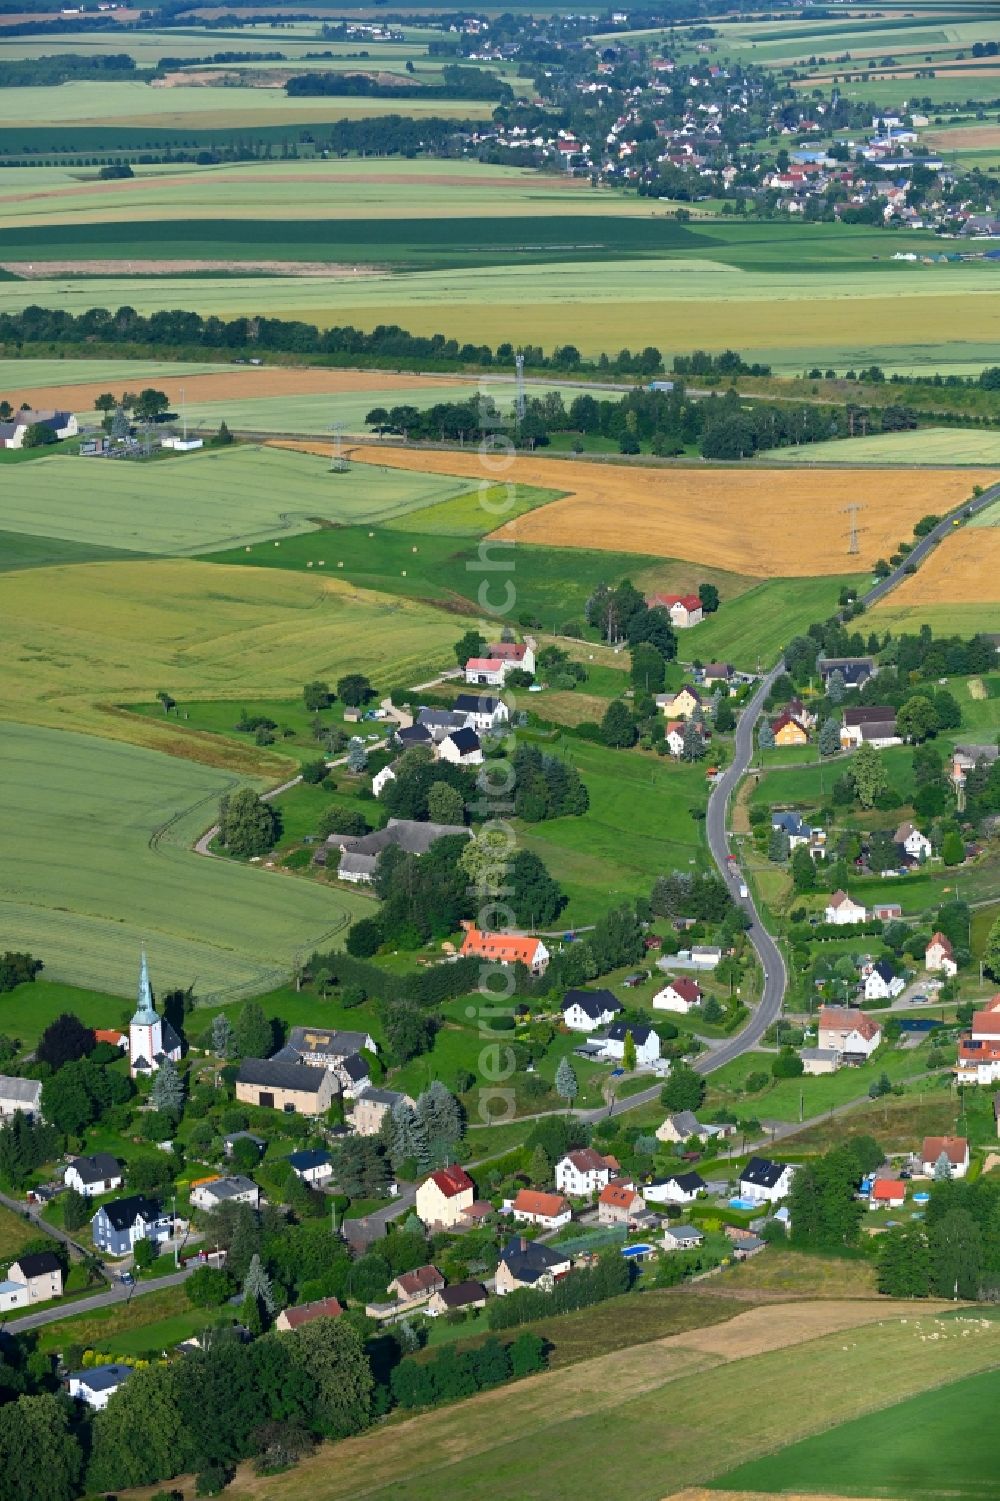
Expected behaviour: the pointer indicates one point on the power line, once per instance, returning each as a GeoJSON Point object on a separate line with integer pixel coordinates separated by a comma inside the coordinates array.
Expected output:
{"type": "Point", "coordinates": [852, 510]}
{"type": "Point", "coordinates": [521, 404]}
{"type": "Point", "coordinates": [338, 464]}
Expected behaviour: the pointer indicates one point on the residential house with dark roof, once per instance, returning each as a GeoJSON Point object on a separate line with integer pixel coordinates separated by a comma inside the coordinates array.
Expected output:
{"type": "Point", "coordinates": [42, 1274]}
{"type": "Point", "coordinates": [371, 1108]}
{"type": "Point", "coordinates": [855, 671]}
{"type": "Point", "coordinates": [359, 853]}
{"type": "Point", "coordinates": [526, 1263]}
{"type": "Point", "coordinates": [118, 1227]}
{"type": "Point", "coordinates": [585, 1009]}
{"type": "Point", "coordinates": [416, 1286]}
{"type": "Point", "coordinates": [483, 711]}
{"type": "Point", "coordinates": [312, 1166]}
{"type": "Point", "coordinates": [100, 1173]}
{"type": "Point", "coordinates": [98, 1384]}
{"type": "Point", "coordinates": [765, 1182]}
{"type": "Point", "coordinates": [675, 1188]}
{"type": "Point", "coordinates": [214, 1192]}
{"type": "Point", "coordinates": [869, 724]}
{"type": "Point", "coordinates": [458, 1298]}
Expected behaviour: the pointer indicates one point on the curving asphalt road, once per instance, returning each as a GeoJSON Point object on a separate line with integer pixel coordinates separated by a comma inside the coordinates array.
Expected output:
{"type": "Point", "coordinates": [716, 818]}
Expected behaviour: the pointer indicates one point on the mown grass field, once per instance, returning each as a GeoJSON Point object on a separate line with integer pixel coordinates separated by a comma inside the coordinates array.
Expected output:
{"type": "Point", "coordinates": [662, 1401]}
{"type": "Point", "coordinates": [803, 1098]}
{"type": "Point", "coordinates": [639, 826]}
{"type": "Point", "coordinates": [363, 188]}
{"type": "Point", "coordinates": [14, 1233]}
{"type": "Point", "coordinates": [201, 501]}
{"type": "Point", "coordinates": [26, 1011]}
{"type": "Point", "coordinates": [197, 108]}
{"type": "Point", "coordinates": [931, 1445]}
{"type": "Point", "coordinates": [95, 860]}
{"type": "Point", "coordinates": [83, 640]}
{"type": "Point", "coordinates": [927, 445]}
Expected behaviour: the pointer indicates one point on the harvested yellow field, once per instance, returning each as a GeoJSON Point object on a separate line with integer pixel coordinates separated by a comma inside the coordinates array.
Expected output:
{"type": "Point", "coordinates": [765, 522]}
{"type": "Point", "coordinates": [964, 570]}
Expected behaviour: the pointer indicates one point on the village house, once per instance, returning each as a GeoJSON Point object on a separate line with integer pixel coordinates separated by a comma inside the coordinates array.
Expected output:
{"type": "Point", "coordinates": [882, 983]}
{"type": "Point", "coordinates": [40, 1272]}
{"type": "Point", "coordinates": [330, 1048]}
{"type": "Point", "coordinates": [526, 1263]}
{"type": "Point", "coordinates": [294, 1318]}
{"type": "Point", "coordinates": [798, 831]}
{"type": "Point", "coordinates": [550, 1211]}
{"type": "Point", "coordinates": [371, 1108]}
{"type": "Point", "coordinates": [855, 1034]}
{"type": "Point", "coordinates": [98, 1174]}
{"type": "Point", "coordinates": [12, 1295]}
{"type": "Point", "coordinates": [458, 1298]}
{"type": "Point", "coordinates": [22, 1096]}
{"type": "Point", "coordinates": [954, 1150]}
{"type": "Point", "coordinates": [584, 1172]}
{"type": "Point", "coordinates": [871, 724]}
{"type": "Point", "coordinates": [359, 853]}
{"type": "Point", "coordinates": [118, 1227]}
{"type": "Point", "coordinates": [680, 705]}
{"type": "Point", "coordinates": [676, 1188]}
{"type": "Point", "coordinates": [482, 711]}
{"type": "Point", "coordinates": [681, 995]}
{"type": "Point", "coordinates": [682, 1126]}
{"type": "Point", "coordinates": [717, 674]}
{"type": "Point", "coordinates": [887, 911]}
{"type": "Point", "coordinates": [820, 1060]}
{"type": "Point", "coordinates": [855, 671]}
{"type": "Point", "coordinates": [685, 610]}
{"type": "Point", "coordinates": [312, 1166]}
{"type": "Point", "coordinates": [939, 956]}
{"type": "Point", "coordinates": [296, 1088]}
{"type": "Point", "coordinates": [842, 911]}
{"type": "Point", "coordinates": [682, 1238]}
{"type": "Point", "coordinates": [800, 711]}
{"type": "Point", "coordinates": [583, 1009]}
{"type": "Point", "coordinates": [704, 956]}
{"type": "Point", "coordinates": [887, 1193]}
{"type": "Point", "coordinates": [229, 1142]}
{"type": "Point", "coordinates": [619, 1203]}
{"type": "Point", "coordinates": [97, 1385]}
{"type": "Point", "coordinates": [674, 737]}
{"type": "Point", "coordinates": [14, 432]}
{"type": "Point", "coordinates": [210, 1193]}
{"type": "Point", "coordinates": [505, 948]}
{"type": "Point", "coordinates": [444, 1196]}
{"type": "Point", "coordinates": [381, 780]}
{"type": "Point", "coordinates": [417, 1286]}
{"type": "Point", "coordinates": [461, 748]}
{"type": "Point", "coordinates": [787, 730]}
{"type": "Point", "coordinates": [765, 1182]}
{"type": "Point", "coordinates": [610, 1043]}
{"type": "Point", "coordinates": [909, 838]}
{"type": "Point", "coordinates": [485, 671]}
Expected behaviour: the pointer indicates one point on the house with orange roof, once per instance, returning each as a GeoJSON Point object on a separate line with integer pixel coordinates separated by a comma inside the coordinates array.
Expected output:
{"type": "Point", "coordinates": [505, 948]}
{"type": "Point", "coordinates": [550, 1211]}
{"type": "Point", "coordinates": [853, 1033]}
{"type": "Point", "coordinates": [294, 1318]}
{"type": "Point", "coordinates": [619, 1203]}
{"type": "Point", "coordinates": [887, 1193]}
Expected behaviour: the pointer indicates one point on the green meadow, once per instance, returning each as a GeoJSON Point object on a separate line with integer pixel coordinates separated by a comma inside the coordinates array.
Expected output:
{"type": "Point", "coordinates": [195, 502]}
{"type": "Point", "coordinates": [96, 860]}
{"type": "Point", "coordinates": [935, 1444]}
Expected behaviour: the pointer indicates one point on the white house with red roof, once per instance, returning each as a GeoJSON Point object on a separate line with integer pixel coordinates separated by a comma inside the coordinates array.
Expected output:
{"type": "Point", "coordinates": [887, 1193]}
{"type": "Point", "coordinates": [584, 1172]}
{"type": "Point", "coordinates": [489, 671]}
{"type": "Point", "coordinates": [685, 610]}
{"type": "Point", "coordinates": [681, 995]}
{"type": "Point", "coordinates": [954, 1150]}
{"type": "Point", "coordinates": [939, 956]}
{"type": "Point", "coordinates": [443, 1197]}
{"type": "Point", "coordinates": [853, 1033]}
{"type": "Point", "coordinates": [505, 948]}
{"type": "Point", "coordinates": [842, 911]}
{"type": "Point", "coordinates": [979, 1049]}
{"type": "Point", "coordinates": [550, 1211]}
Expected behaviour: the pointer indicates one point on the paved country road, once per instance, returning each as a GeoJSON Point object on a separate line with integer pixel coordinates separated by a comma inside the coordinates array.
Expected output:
{"type": "Point", "coordinates": [116, 1294]}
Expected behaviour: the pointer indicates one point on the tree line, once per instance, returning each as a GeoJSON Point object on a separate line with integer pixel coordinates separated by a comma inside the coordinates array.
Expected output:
{"type": "Point", "coordinates": [457, 82]}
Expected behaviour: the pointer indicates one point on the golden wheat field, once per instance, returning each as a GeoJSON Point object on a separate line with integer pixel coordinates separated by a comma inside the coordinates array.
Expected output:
{"type": "Point", "coordinates": [766, 522]}
{"type": "Point", "coordinates": [964, 570]}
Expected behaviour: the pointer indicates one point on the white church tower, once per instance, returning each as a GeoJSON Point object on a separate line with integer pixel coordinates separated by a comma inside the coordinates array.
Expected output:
{"type": "Point", "coordinates": [150, 1038]}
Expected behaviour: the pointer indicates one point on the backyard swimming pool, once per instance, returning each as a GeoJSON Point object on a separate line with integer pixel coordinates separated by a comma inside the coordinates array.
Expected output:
{"type": "Point", "coordinates": [739, 1203]}
{"type": "Point", "coordinates": [632, 1252]}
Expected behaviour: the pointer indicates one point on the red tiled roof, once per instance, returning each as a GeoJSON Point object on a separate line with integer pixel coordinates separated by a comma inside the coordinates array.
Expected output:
{"type": "Point", "coordinates": [506, 651]}
{"type": "Point", "coordinates": [955, 1148]}
{"type": "Point", "coordinates": [548, 1206]}
{"type": "Point", "coordinates": [665, 601]}
{"type": "Point", "coordinates": [840, 1019]}
{"type": "Point", "coordinates": [423, 1279]}
{"type": "Point", "coordinates": [889, 1189]}
{"type": "Point", "coordinates": [452, 1180]}
{"type": "Point", "coordinates": [688, 990]}
{"type": "Point", "coordinates": [109, 1034]}
{"type": "Point", "coordinates": [622, 1195]}
{"type": "Point", "coordinates": [325, 1308]}
{"type": "Point", "coordinates": [484, 664]}
{"type": "Point", "coordinates": [942, 942]}
{"type": "Point", "coordinates": [587, 1160]}
{"type": "Point", "coordinates": [506, 948]}
{"type": "Point", "coordinates": [986, 1022]}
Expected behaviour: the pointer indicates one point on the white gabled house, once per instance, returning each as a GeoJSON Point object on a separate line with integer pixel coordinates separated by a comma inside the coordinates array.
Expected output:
{"type": "Point", "coordinates": [584, 1172]}
{"type": "Point", "coordinates": [882, 983]}
{"type": "Point", "coordinates": [842, 911]}
{"type": "Point", "coordinates": [585, 1009]}
{"type": "Point", "coordinates": [611, 1043]}
{"type": "Point", "coordinates": [853, 1033]}
{"type": "Point", "coordinates": [939, 956]}
{"type": "Point", "coordinates": [765, 1182]}
{"type": "Point", "coordinates": [681, 995]}
{"type": "Point", "coordinates": [909, 837]}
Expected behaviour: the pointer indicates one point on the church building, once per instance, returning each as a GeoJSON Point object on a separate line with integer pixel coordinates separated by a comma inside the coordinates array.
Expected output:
{"type": "Point", "coordinates": [150, 1037]}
